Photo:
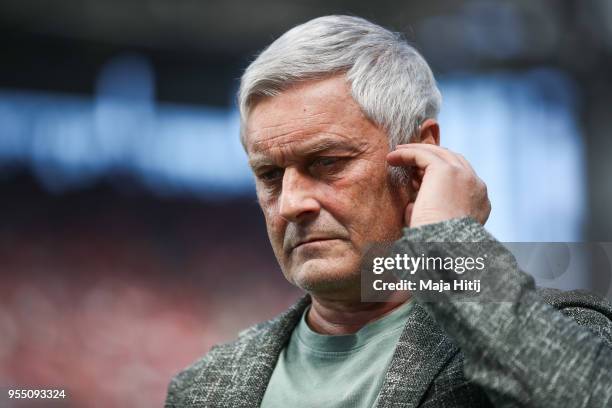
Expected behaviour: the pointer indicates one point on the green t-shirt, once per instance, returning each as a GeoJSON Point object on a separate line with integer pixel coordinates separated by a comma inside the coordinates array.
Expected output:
{"type": "Point", "coordinates": [316, 370]}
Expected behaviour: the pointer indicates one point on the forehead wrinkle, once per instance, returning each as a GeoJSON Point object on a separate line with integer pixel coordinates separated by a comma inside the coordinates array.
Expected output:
{"type": "Point", "coordinates": [305, 120]}
{"type": "Point", "coordinates": [275, 126]}
{"type": "Point", "coordinates": [291, 133]}
{"type": "Point", "coordinates": [296, 128]}
{"type": "Point", "coordinates": [304, 148]}
{"type": "Point", "coordinates": [288, 137]}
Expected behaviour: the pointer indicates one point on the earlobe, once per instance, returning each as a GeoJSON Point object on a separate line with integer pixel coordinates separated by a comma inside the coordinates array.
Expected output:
{"type": "Point", "coordinates": [429, 132]}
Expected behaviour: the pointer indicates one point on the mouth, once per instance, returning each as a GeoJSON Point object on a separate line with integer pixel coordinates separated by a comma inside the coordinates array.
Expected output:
{"type": "Point", "coordinates": [312, 241]}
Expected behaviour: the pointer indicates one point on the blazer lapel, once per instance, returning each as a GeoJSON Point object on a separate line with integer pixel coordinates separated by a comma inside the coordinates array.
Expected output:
{"type": "Point", "coordinates": [421, 352]}
{"type": "Point", "coordinates": [257, 362]}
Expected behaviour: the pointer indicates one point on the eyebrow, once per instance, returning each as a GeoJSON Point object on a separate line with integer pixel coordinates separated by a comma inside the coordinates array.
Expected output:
{"type": "Point", "coordinates": [309, 149]}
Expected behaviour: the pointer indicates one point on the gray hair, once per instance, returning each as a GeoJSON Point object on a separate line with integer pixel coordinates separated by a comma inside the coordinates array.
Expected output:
{"type": "Point", "coordinates": [389, 79]}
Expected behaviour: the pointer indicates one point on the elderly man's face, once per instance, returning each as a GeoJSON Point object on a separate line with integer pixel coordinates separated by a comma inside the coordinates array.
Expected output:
{"type": "Point", "coordinates": [322, 183]}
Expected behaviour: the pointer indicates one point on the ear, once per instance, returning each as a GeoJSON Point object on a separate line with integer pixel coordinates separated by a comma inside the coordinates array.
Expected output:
{"type": "Point", "coordinates": [429, 132]}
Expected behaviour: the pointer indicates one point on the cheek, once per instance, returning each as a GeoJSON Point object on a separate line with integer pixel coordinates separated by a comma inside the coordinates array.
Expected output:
{"type": "Point", "coordinates": [365, 204]}
{"type": "Point", "coordinates": [274, 224]}
{"type": "Point", "coordinates": [348, 202]}
{"type": "Point", "coordinates": [267, 205]}
{"type": "Point", "coordinates": [359, 189]}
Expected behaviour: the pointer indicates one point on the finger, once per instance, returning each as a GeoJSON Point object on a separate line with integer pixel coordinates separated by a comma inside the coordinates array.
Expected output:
{"type": "Point", "coordinates": [443, 152]}
{"type": "Point", "coordinates": [465, 162]}
{"type": "Point", "coordinates": [415, 173]}
{"type": "Point", "coordinates": [412, 156]}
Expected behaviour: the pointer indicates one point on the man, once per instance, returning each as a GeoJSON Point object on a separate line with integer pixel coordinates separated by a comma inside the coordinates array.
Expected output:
{"type": "Point", "coordinates": [339, 124]}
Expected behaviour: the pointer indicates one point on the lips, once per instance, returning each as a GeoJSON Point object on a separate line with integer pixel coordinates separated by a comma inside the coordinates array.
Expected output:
{"type": "Point", "coordinates": [309, 240]}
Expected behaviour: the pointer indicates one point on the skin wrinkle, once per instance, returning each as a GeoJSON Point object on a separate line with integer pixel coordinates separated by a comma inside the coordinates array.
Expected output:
{"type": "Point", "coordinates": [320, 145]}
{"type": "Point", "coordinates": [290, 139]}
{"type": "Point", "coordinates": [302, 130]}
{"type": "Point", "coordinates": [273, 129]}
{"type": "Point", "coordinates": [306, 118]}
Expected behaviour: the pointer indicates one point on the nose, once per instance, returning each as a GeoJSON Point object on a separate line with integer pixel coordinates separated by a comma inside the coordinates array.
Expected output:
{"type": "Point", "coordinates": [297, 199]}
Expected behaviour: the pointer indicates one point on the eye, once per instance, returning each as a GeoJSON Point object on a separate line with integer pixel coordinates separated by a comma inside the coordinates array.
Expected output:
{"type": "Point", "coordinates": [325, 161]}
{"type": "Point", "coordinates": [272, 174]}
{"type": "Point", "coordinates": [327, 166]}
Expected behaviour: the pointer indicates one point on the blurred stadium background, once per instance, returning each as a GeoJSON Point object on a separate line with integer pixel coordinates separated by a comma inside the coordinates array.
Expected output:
{"type": "Point", "coordinates": [130, 238]}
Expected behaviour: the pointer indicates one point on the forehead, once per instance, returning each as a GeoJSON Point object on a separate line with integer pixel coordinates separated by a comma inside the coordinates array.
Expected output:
{"type": "Point", "coordinates": [312, 113]}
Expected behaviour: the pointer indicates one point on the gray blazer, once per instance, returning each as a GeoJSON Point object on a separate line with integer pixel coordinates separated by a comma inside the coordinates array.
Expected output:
{"type": "Point", "coordinates": [545, 348]}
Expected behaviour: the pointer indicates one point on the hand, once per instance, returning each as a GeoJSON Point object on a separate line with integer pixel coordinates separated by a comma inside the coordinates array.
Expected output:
{"type": "Point", "coordinates": [446, 185]}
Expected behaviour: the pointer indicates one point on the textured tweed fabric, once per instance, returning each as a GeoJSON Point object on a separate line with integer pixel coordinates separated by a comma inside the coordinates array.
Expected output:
{"type": "Point", "coordinates": [541, 348]}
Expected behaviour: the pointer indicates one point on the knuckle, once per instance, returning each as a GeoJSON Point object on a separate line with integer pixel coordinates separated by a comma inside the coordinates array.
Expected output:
{"type": "Point", "coordinates": [454, 170]}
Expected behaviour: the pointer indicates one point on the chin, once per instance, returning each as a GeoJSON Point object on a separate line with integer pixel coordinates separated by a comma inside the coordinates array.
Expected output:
{"type": "Point", "coordinates": [321, 276]}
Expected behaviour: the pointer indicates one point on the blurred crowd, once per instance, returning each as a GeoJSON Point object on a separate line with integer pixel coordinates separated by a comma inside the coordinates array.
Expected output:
{"type": "Point", "coordinates": [108, 296]}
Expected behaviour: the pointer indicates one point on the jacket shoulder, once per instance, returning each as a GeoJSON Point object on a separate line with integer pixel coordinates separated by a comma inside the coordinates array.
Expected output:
{"type": "Point", "coordinates": [212, 374]}
{"type": "Point", "coordinates": [188, 383]}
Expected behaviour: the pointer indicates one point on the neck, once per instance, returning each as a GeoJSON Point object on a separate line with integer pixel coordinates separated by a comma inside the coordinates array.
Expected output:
{"type": "Point", "coordinates": [338, 317]}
